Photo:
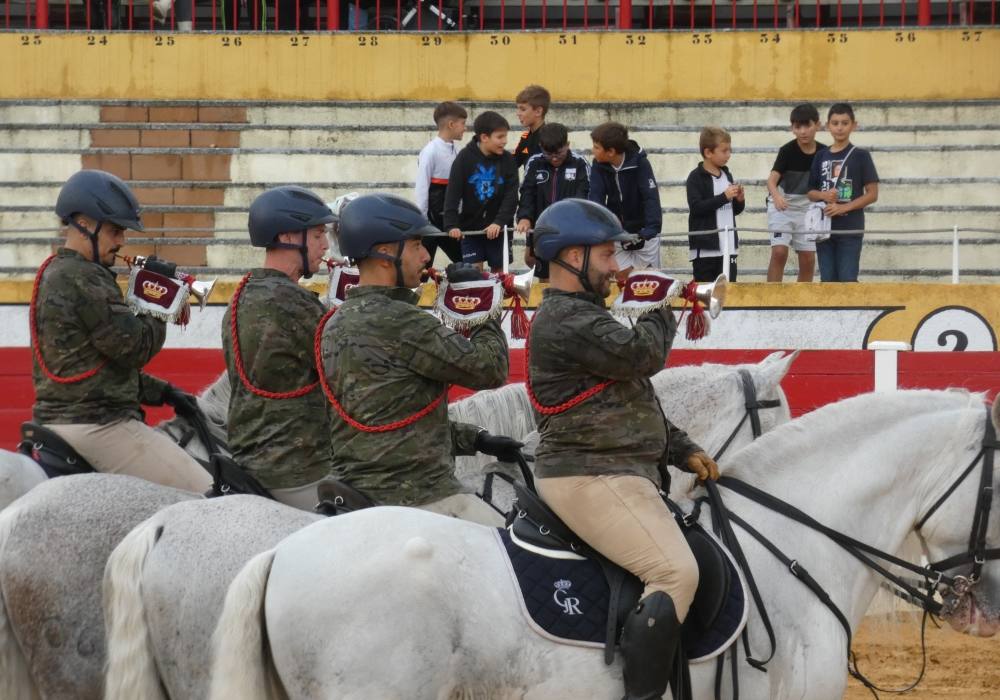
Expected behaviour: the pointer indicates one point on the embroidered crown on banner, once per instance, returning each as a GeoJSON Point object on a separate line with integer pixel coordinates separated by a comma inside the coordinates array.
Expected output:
{"type": "Point", "coordinates": [644, 287]}
{"type": "Point", "coordinates": [645, 291]}
{"type": "Point", "coordinates": [465, 305]}
{"type": "Point", "coordinates": [153, 289]}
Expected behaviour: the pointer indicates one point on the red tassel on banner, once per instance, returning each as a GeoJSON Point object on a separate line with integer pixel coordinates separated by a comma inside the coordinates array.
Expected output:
{"type": "Point", "coordinates": [520, 326]}
{"type": "Point", "coordinates": [697, 320]}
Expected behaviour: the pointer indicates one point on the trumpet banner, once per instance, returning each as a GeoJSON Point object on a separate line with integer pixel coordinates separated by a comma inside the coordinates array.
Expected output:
{"type": "Point", "coordinates": [157, 295]}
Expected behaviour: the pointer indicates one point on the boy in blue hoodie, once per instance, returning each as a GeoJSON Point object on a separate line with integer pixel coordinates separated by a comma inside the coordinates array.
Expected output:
{"type": "Point", "coordinates": [482, 192]}
{"type": "Point", "coordinates": [622, 180]}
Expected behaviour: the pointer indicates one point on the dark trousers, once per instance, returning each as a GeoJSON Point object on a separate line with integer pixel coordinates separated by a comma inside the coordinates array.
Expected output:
{"type": "Point", "coordinates": [707, 269]}
{"type": "Point", "coordinates": [839, 257]}
{"type": "Point", "coordinates": [452, 247]}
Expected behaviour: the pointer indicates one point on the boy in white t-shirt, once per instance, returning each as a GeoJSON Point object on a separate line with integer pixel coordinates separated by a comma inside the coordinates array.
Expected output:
{"type": "Point", "coordinates": [433, 169]}
{"type": "Point", "coordinates": [714, 200]}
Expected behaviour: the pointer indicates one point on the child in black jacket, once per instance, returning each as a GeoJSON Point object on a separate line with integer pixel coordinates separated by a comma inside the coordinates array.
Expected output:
{"type": "Point", "coordinates": [714, 200]}
{"type": "Point", "coordinates": [552, 175]}
{"type": "Point", "coordinates": [482, 192]}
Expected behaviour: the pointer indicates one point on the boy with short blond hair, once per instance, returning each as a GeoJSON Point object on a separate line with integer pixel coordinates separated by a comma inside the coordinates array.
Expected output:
{"type": "Point", "coordinates": [622, 180]}
{"type": "Point", "coordinates": [532, 106]}
{"type": "Point", "coordinates": [788, 201]}
{"type": "Point", "coordinates": [714, 200]}
{"type": "Point", "coordinates": [433, 170]}
{"type": "Point", "coordinates": [482, 192]}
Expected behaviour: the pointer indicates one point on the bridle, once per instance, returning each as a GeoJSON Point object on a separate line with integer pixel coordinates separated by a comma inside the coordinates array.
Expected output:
{"type": "Point", "coordinates": [934, 576]}
{"type": "Point", "coordinates": [752, 406]}
{"type": "Point", "coordinates": [977, 554]}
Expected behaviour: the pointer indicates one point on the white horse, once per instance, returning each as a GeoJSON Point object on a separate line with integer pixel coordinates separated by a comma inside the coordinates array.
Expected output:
{"type": "Point", "coordinates": [397, 603]}
{"type": "Point", "coordinates": [159, 629]}
{"type": "Point", "coordinates": [54, 542]}
{"type": "Point", "coordinates": [19, 473]}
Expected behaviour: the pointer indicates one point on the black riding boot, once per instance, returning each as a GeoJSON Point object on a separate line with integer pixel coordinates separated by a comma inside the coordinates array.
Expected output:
{"type": "Point", "coordinates": [650, 645]}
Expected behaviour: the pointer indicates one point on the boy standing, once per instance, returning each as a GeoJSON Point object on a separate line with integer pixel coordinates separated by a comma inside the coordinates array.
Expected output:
{"type": "Point", "coordinates": [482, 192]}
{"type": "Point", "coordinates": [788, 185]}
{"type": "Point", "coordinates": [433, 169]}
{"type": "Point", "coordinates": [845, 178]}
{"type": "Point", "coordinates": [532, 106]}
{"type": "Point", "coordinates": [552, 175]}
{"type": "Point", "coordinates": [622, 180]}
{"type": "Point", "coordinates": [714, 201]}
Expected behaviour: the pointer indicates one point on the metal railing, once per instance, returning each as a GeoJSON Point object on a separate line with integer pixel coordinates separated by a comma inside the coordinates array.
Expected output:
{"type": "Point", "coordinates": [497, 15]}
{"type": "Point", "coordinates": [16, 237]}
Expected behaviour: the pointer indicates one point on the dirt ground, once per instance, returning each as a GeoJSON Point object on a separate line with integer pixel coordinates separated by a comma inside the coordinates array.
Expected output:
{"type": "Point", "coordinates": [959, 667]}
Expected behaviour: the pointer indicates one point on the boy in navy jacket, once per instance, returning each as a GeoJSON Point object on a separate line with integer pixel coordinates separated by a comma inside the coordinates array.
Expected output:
{"type": "Point", "coordinates": [622, 180]}
{"type": "Point", "coordinates": [552, 175]}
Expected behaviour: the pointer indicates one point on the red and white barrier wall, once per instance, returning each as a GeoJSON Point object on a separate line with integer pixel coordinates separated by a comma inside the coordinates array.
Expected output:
{"type": "Point", "coordinates": [952, 331]}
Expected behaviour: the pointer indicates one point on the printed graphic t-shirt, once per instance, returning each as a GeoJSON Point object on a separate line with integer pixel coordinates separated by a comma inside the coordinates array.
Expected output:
{"type": "Point", "coordinates": [858, 171]}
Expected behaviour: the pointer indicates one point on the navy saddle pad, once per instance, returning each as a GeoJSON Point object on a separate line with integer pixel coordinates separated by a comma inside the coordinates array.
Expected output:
{"type": "Point", "coordinates": [566, 598]}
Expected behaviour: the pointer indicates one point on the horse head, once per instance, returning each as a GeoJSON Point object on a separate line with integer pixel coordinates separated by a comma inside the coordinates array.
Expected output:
{"type": "Point", "coordinates": [961, 530]}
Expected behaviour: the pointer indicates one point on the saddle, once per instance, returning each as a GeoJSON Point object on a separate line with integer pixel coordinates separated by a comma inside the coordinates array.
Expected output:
{"type": "Point", "coordinates": [336, 497]}
{"type": "Point", "coordinates": [230, 479]}
{"type": "Point", "coordinates": [716, 617]}
{"type": "Point", "coordinates": [53, 454]}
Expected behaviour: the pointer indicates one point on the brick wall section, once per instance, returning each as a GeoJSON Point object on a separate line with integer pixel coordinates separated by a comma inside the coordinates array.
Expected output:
{"type": "Point", "coordinates": [170, 207]}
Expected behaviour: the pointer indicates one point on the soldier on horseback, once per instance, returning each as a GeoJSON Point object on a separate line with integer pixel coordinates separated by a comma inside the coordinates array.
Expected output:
{"type": "Point", "coordinates": [388, 364]}
{"type": "Point", "coordinates": [90, 348]}
{"type": "Point", "coordinates": [605, 441]}
{"type": "Point", "coordinates": [278, 419]}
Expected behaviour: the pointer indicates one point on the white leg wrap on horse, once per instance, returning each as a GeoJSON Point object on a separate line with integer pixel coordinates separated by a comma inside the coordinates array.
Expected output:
{"type": "Point", "coordinates": [240, 667]}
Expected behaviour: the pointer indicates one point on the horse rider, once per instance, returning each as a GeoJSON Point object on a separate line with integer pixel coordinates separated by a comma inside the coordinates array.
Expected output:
{"type": "Point", "coordinates": [388, 365]}
{"type": "Point", "coordinates": [90, 348]}
{"type": "Point", "coordinates": [279, 421]}
{"type": "Point", "coordinates": [604, 440]}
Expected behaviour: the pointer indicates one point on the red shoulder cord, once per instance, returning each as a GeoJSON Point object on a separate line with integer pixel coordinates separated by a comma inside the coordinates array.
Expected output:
{"type": "Point", "coordinates": [238, 357]}
{"type": "Point", "coordinates": [34, 336]}
{"type": "Point", "coordinates": [386, 428]}
{"type": "Point", "coordinates": [565, 405]}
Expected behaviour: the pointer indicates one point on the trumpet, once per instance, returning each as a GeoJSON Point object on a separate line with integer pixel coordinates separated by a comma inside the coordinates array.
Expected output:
{"type": "Point", "coordinates": [711, 294]}
{"type": "Point", "coordinates": [200, 290]}
{"type": "Point", "coordinates": [519, 285]}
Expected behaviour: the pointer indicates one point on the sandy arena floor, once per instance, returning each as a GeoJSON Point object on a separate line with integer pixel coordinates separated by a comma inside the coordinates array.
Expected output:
{"type": "Point", "coordinates": [958, 667]}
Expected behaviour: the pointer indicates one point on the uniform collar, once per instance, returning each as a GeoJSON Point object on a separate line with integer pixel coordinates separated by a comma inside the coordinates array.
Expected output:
{"type": "Point", "coordinates": [395, 293]}
{"type": "Point", "coordinates": [590, 297]}
{"type": "Point", "coordinates": [62, 252]}
{"type": "Point", "coordinates": [266, 272]}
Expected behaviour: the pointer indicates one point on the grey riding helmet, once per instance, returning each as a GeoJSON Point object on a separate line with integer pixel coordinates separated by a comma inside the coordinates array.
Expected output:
{"type": "Point", "coordinates": [101, 196]}
{"type": "Point", "coordinates": [287, 209]}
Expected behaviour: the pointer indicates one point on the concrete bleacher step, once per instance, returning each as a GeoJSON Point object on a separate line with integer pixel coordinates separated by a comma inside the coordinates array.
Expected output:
{"type": "Point", "coordinates": [928, 156]}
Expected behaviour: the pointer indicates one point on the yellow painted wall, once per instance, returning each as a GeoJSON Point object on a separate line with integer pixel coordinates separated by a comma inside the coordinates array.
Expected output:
{"type": "Point", "coordinates": [914, 64]}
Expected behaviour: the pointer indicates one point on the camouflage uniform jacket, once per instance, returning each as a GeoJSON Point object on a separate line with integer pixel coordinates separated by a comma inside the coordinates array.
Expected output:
{"type": "Point", "coordinates": [284, 443]}
{"type": "Point", "coordinates": [576, 344]}
{"type": "Point", "coordinates": [82, 321]}
{"type": "Point", "coordinates": [386, 359]}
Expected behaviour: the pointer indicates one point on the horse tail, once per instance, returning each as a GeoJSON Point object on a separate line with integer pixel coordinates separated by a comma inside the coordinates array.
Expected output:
{"type": "Point", "coordinates": [130, 670]}
{"type": "Point", "coordinates": [242, 666]}
{"type": "Point", "coordinates": [15, 679]}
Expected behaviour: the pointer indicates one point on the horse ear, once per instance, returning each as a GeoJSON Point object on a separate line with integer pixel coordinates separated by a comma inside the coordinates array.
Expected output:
{"type": "Point", "coordinates": [775, 366]}
{"type": "Point", "coordinates": [996, 413]}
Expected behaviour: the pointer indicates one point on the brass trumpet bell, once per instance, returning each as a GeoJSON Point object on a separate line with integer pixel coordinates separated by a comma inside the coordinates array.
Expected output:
{"type": "Point", "coordinates": [712, 295]}
{"type": "Point", "coordinates": [202, 291]}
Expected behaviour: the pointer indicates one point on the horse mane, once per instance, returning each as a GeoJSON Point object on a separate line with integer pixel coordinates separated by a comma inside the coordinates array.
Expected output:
{"type": "Point", "coordinates": [869, 413]}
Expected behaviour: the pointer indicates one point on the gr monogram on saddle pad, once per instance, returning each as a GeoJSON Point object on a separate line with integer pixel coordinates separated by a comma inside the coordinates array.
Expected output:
{"type": "Point", "coordinates": [573, 595]}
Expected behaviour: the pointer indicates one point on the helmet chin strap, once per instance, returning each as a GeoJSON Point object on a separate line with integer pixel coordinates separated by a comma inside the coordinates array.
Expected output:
{"type": "Point", "coordinates": [92, 235]}
{"type": "Point", "coordinates": [303, 251]}
{"type": "Point", "coordinates": [396, 260]}
{"type": "Point", "coordinates": [581, 273]}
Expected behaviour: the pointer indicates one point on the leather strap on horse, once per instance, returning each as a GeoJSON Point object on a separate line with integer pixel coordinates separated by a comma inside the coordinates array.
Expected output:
{"type": "Point", "coordinates": [33, 325]}
{"type": "Point", "coordinates": [753, 406]}
{"type": "Point", "coordinates": [565, 405]}
{"type": "Point", "coordinates": [238, 356]}
{"type": "Point", "coordinates": [341, 411]}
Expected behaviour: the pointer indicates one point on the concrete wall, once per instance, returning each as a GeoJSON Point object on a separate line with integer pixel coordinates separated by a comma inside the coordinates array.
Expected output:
{"type": "Point", "coordinates": [924, 64]}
